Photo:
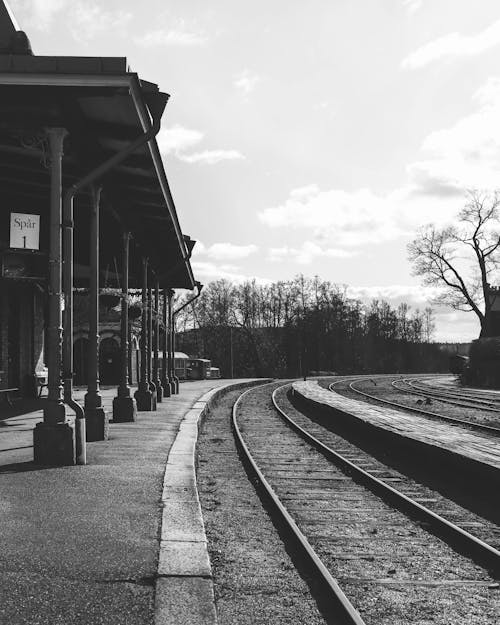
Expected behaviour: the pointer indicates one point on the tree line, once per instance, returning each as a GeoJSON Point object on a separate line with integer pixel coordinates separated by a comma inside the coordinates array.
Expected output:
{"type": "Point", "coordinates": [304, 326]}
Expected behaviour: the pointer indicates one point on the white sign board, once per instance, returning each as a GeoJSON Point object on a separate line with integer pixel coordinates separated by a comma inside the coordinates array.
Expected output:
{"type": "Point", "coordinates": [25, 231]}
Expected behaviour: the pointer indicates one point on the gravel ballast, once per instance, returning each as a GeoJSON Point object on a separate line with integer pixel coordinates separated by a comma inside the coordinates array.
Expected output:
{"type": "Point", "coordinates": [255, 580]}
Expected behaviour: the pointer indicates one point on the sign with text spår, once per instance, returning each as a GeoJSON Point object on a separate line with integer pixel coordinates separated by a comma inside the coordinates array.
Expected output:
{"type": "Point", "coordinates": [24, 231]}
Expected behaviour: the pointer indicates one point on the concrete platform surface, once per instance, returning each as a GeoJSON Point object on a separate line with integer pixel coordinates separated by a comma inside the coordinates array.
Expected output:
{"type": "Point", "coordinates": [81, 544]}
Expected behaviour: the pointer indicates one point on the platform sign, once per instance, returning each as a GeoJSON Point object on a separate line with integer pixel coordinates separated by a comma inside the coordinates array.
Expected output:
{"type": "Point", "coordinates": [24, 231]}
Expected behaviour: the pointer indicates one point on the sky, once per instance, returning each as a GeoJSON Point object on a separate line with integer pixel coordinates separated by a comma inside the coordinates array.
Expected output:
{"type": "Point", "coordinates": [308, 137]}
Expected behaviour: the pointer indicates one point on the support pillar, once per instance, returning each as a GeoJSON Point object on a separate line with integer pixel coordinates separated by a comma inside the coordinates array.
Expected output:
{"type": "Point", "coordinates": [156, 368]}
{"type": "Point", "coordinates": [95, 415]}
{"type": "Point", "coordinates": [80, 424]}
{"type": "Point", "coordinates": [54, 437]}
{"type": "Point", "coordinates": [174, 380]}
{"type": "Point", "coordinates": [152, 384]}
{"type": "Point", "coordinates": [131, 354]}
{"type": "Point", "coordinates": [143, 395]}
{"type": "Point", "coordinates": [124, 405]}
{"type": "Point", "coordinates": [165, 372]}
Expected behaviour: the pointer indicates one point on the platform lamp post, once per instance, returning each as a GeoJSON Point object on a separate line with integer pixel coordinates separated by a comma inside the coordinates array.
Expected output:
{"type": "Point", "coordinates": [124, 405]}
{"type": "Point", "coordinates": [143, 395]}
{"type": "Point", "coordinates": [54, 438]}
{"type": "Point", "coordinates": [199, 287]}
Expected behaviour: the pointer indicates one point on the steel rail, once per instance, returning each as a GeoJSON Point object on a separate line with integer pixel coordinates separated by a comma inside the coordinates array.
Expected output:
{"type": "Point", "coordinates": [468, 395]}
{"type": "Point", "coordinates": [349, 614]}
{"type": "Point", "coordinates": [431, 387]}
{"type": "Point", "coordinates": [446, 399]}
{"type": "Point", "coordinates": [455, 536]}
{"type": "Point", "coordinates": [368, 376]}
{"type": "Point", "coordinates": [453, 420]}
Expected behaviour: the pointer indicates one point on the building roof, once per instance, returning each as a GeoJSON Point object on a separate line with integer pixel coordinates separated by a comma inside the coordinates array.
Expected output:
{"type": "Point", "coordinates": [8, 23]}
{"type": "Point", "coordinates": [104, 106]}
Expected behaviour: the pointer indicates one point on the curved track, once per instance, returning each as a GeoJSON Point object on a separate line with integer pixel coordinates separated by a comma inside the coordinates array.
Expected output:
{"type": "Point", "coordinates": [342, 606]}
{"type": "Point", "coordinates": [464, 398]}
{"type": "Point", "coordinates": [418, 387]}
{"type": "Point", "coordinates": [298, 480]}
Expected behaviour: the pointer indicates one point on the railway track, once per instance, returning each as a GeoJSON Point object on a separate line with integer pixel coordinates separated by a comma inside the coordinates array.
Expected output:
{"type": "Point", "coordinates": [345, 511]}
{"type": "Point", "coordinates": [466, 399]}
{"type": "Point", "coordinates": [403, 385]}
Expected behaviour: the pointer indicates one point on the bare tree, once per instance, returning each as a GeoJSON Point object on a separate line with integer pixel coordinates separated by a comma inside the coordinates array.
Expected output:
{"type": "Point", "coordinates": [462, 259]}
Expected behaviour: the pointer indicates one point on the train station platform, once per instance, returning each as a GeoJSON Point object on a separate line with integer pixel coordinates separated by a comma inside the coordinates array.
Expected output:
{"type": "Point", "coordinates": [119, 541]}
{"type": "Point", "coordinates": [446, 445]}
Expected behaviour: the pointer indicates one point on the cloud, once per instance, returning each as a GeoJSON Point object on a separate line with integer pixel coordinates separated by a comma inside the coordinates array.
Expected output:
{"type": "Point", "coordinates": [229, 251]}
{"type": "Point", "coordinates": [90, 20]}
{"type": "Point", "coordinates": [412, 5]}
{"type": "Point", "coordinates": [84, 20]}
{"type": "Point", "coordinates": [395, 294]}
{"type": "Point", "coordinates": [246, 81]}
{"type": "Point", "coordinates": [206, 271]}
{"type": "Point", "coordinates": [306, 253]}
{"type": "Point", "coordinates": [177, 138]}
{"type": "Point", "coordinates": [454, 45]}
{"type": "Point", "coordinates": [355, 218]}
{"type": "Point", "coordinates": [211, 157]}
{"type": "Point", "coordinates": [466, 155]}
{"type": "Point", "coordinates": [39, 13]}
{"type": "Point", "coordinates": [180, 34]}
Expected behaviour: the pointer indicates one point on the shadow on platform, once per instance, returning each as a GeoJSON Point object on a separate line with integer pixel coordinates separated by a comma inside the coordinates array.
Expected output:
{"type": "Point", "coordinates": [20, 407]}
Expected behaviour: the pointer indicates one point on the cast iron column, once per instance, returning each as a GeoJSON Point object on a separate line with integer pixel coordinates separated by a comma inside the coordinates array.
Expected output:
{"type": "Point", "coordinates": [165, 371]}
{"type": "Point", "coordinates": [143, 395]}
{"type": "Point", "coordinates": [174, 380]}
{"type": "Point", "coordinates": [156, 368]}
{"type": "Point", "coordinates": [152, 382]}
{"type": "Point", "coordinates": [124, 406]}
{"type": "Point", "coordinates": [54, 438]}
{"type": "Point", "coordinates": [131, 354]}
{"type": "Point", "coordinates": [95, 415]}
{"type": "Point", "coordinates": [80, 424]}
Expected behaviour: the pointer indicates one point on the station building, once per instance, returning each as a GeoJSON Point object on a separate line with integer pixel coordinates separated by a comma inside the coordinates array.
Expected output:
{"type": "Point", "coordinates": [83, 187]}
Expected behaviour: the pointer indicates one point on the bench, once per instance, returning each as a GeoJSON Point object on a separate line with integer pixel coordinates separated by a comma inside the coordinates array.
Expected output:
{"type": "Point", "coordinates": [5, 393]}
{"type": "Point", "coordinates": [41, 385]}
{"type": "Point", "coordinates": [41, 381]}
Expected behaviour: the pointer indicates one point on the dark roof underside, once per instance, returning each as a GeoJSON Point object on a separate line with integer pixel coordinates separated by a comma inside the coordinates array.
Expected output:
{"type": "Point", "coordinates": [101, 121]}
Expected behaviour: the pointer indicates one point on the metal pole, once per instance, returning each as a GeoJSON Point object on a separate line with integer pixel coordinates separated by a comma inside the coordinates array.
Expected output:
{"type": "Point", "coordinates": [166, 360]}
{"type": "Point", "coordinates": [144, 328]}
{"type": "Point", "coordinates": [55, 411]}
{"type": "Point", "coordinates": [152, 383]}
{"type": "Point", "coordinates": [123, 389]}
{"type": "Point", "coordinates": [80, 424]}
{"type": "Point", "coordinates": [174, 380]}
{"type": "Point", "coordinates": [124, 406]}
{"type": "Point", "coordinates": [231, 349]}
{"type": "Point", "coordinates": [131, 353]}
{"type": "Point", "coordinates": [54, 438]}
{"type": "Point", "coordinates": [156, 370]}
{"type": "Point", "coordinates": [143, 395]}
{"type": "Point", "coordinates": [95, 415]}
